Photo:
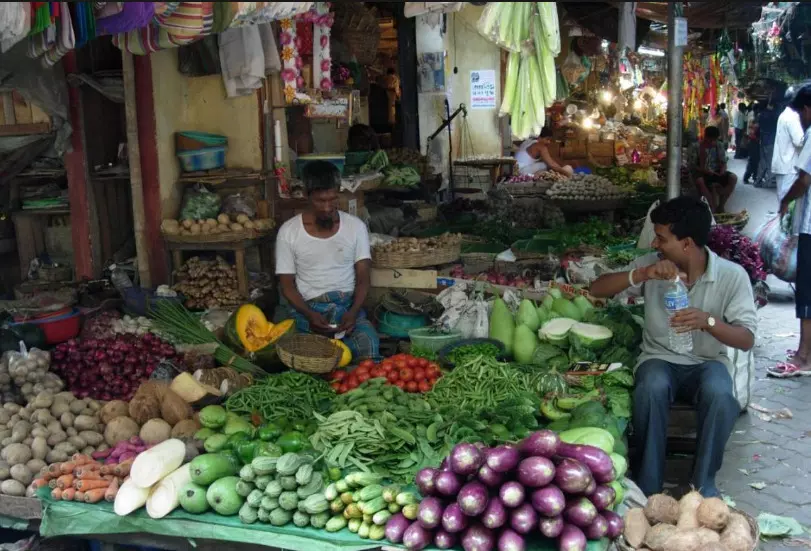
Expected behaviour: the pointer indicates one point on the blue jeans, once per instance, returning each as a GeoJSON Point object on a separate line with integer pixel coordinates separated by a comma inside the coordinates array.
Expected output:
{"type": "Point", "coordinates": [658, 385]}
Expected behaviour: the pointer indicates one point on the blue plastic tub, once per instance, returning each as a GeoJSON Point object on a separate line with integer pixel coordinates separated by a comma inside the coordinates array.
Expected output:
{"type": "Point", "coordinates": [207, 158]}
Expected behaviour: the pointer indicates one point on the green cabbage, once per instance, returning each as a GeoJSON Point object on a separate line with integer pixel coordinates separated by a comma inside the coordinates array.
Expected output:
{"type": "Point", "coordinates": [587, 336]}
{"type": "Point", "coordinates": [543, 353]}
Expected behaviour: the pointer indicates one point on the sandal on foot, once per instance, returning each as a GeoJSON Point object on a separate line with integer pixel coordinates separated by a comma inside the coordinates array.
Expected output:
{"type": "Point", "coordinates": [787, 370]}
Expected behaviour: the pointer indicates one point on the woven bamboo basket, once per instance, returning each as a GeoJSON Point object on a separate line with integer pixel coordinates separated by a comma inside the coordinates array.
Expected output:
{"type": "Point", "coordinates": [420, 259]}
{"type": "Point", "coordinates": [622, 545]}
{"type": "Point", "coordinates": [538, 189]}
{"type": "Point", "coordinates": [309, 353]}
{"type": "Point", "coordinates": [736, 220]}
{"type": "Point", "coordinates": [478, 258]}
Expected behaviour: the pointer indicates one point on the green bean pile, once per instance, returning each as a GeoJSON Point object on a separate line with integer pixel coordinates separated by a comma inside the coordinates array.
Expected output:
{"type": "Point", "coordinates": [290, 395]}
{"type": "Point", "coordinates": [480, 384]}
{"type": "Point", "coordinates": [468, 352]}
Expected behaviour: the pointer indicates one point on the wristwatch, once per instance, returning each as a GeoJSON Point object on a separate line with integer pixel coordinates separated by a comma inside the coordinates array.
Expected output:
{"type": "Point", "coordinates": [710, 322]}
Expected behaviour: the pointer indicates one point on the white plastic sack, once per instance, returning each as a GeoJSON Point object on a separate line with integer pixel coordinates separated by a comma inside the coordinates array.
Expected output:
{"type": "Point", "coordinates": [481, 328]}
{"type": "Point", "coordinates": [778, 248]}
{"type": "Point", "coordinates": [743, 373]}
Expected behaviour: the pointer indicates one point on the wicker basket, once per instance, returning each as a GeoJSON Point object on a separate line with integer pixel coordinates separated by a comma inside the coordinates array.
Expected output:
{"type": "Point", "coordinates": [309, 353]}
{"type": "Point", "coordinates": [736, 220]}
{"type": "Point", "coordinates": [420, 259]}
{"type": "Point", "coordinates": [478, 258]}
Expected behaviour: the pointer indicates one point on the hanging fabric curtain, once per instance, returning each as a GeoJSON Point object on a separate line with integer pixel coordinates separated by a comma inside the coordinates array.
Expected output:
{"type": "Point", "coordinates": [254, 13]}
{"type": "Point", "coordinates": [15, 23]}
{"type": "Point", "coordinates": [190, 21]}
{"type": "Point", "coordinates": [133, 15]}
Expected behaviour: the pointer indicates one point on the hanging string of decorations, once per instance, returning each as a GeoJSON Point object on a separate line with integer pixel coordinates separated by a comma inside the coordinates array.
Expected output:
{"type": "Point", "coordinates": [292, 45]}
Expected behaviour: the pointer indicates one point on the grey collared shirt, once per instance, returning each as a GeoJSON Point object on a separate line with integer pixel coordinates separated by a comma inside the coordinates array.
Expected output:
{"type": "Point", "coordinates": [724, 292]}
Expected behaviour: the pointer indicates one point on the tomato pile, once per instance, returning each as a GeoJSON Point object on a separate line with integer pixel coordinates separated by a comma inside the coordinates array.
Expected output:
{"type": "Point", "coordinates": [406, 372]}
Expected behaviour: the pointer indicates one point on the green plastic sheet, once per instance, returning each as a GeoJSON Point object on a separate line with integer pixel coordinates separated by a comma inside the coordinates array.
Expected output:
{"type": "Point", "coordinates": [11, 523]}
{"type": "Point", "coordinates": [68, 518]}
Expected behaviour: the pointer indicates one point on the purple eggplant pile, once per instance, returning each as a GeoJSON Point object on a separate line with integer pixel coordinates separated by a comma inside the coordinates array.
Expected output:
{"type": "Point", "coordinates": [488, 499]}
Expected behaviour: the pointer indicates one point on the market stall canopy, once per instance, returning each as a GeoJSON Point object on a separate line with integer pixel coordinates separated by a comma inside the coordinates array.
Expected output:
{"type": "Point", "coordinates": [413, 9]}
{"type": "Point", "coordinates": [718, 14]}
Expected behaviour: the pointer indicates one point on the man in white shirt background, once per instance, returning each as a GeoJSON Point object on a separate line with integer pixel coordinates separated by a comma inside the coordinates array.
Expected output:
{"type": "Point", "coordinates": [739, 121]}
{"type": "Point", "coordinates": [787, 146]}
{"type": "Point", "coordinates": [323, 261]}
{"type": "Point", "coordinates": [800, 363]}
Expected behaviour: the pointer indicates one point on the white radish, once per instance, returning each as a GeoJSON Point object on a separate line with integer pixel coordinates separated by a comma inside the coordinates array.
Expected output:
{"type": "Point", "coordinates": [129, 498]}
{"type": "Point", "coordinates": [165, 495]}
{"type": "Point", "coordinates": [155, 463]}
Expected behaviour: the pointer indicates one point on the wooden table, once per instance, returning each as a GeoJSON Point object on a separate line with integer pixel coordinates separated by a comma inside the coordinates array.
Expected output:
{"type": "Point", "coordinates": [238, 248]}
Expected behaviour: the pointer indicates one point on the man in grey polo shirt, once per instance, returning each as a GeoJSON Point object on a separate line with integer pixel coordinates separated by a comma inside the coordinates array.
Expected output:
{"type": "Point", "coordinates": [722, 314]}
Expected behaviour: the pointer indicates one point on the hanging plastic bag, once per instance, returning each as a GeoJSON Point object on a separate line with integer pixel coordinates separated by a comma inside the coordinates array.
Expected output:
{"type": "Point", "coordinates": [200, 204]}
{"type": "Point", "coordinates": [481, 328]}
{"type": "Point", "coordinates": [237, 204]}
{"type": "Point", "coordinates": [573, 69]}
{"type": "Point", "coordinates": [778, 248]}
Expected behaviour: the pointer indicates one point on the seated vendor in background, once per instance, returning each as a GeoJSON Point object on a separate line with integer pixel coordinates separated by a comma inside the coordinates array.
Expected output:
{"type": "Point", "coordinates": [323, 261]}
{"type": "Point", "coordinates": [708, 164]}
{"type": "Point", "coordinates": [721, 314]}
{"type": "Point", "coordinates": [533, 156]}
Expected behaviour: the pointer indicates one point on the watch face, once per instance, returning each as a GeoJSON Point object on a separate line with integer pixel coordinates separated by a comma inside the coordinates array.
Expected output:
{"type": "Point", "coordinates": [711, 321]}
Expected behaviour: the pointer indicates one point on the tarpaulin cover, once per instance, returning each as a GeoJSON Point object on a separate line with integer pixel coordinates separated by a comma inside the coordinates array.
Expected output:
{"type": "Point", "coordinates": [69, 518]}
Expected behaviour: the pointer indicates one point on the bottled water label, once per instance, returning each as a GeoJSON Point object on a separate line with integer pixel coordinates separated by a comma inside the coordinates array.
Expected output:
{"type": "Point", "coordinates": [677, 302]}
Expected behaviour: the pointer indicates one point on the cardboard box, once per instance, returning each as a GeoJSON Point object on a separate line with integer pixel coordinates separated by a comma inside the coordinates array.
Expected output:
{"type": "Point", "coordinates": [402, 278]}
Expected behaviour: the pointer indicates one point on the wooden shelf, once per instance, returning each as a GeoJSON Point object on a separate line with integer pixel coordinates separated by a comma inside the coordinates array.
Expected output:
{"type": "Point", "coordinates": [25, 129]}
{"type": "Point", "coordinates": [42, 212]}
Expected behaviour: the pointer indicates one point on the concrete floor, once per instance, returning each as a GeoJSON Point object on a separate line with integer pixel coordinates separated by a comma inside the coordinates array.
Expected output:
{"type": "Point", "coordinates": [771, 455]}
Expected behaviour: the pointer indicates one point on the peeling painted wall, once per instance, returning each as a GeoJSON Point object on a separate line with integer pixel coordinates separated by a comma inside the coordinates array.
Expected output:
{"type": "Point", "coordinates": [199, 103]}
{"type": "Point", "coordinates": [468, 51]}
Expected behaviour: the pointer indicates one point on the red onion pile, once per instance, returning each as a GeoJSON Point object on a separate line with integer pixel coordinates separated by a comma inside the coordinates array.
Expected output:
{"type": "Point", "coordinates": [109, 369]}
{"type": "Point", "coordinates": [494, 499]}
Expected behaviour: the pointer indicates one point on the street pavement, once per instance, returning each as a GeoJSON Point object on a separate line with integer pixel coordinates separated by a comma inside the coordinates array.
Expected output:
{"type": "Point", "coordinates": [767, 462]}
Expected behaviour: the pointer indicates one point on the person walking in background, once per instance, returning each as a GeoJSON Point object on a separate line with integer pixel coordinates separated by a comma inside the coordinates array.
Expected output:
{"type": "Point", "coordinates": [722, 118]}
{"type": "Point", "coordinates": [739, 122]}
{"type": "Point", "coordinates": [800, 362]}
{"type": "Point", "coordinates": [787, 146]}
{"type": "Point", "coordinates": [753, 144]}
{"type": "Point", "coordinates": [767, 121]}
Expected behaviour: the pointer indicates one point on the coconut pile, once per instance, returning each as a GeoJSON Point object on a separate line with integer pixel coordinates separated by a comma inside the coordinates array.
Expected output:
{"type": "Point", "coordinates": [586, 187]}
{"type": "Point", "coordinates": [691, 524]}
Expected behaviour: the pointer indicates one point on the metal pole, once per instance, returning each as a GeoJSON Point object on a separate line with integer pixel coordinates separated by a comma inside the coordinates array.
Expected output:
{"type": "Point", "coordinates": [675, 76]}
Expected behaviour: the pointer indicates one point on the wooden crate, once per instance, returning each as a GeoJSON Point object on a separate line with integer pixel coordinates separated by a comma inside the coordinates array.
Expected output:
{"type": "Point", "coordinates": [20, 117]}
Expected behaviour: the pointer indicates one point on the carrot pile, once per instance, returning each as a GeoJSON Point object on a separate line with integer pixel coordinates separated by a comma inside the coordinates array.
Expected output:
{"type": "Point", "coordinates": [83, 479]}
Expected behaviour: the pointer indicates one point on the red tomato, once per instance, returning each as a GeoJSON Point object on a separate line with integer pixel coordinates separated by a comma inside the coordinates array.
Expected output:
{"type": "Point", "coordinates": [412, 386]}
{"type": "Point", "coordinates": [432, 371]}
{"type": "Point", "coordinates": [433, 365]}
{"type": "Point", "coordinates": [362, 369]}
{"type": "Point", "coordinates": [352, 379]}
{"type": "Point", "coordinates": [422, 362]}
{"type": "Point", "coordinates": [400, 384]}
{"type": "Point", "coordinates": [400, 364]}
{"type": "Point", "coordinates": [368, 364]}
{"type": "Point", "coordinates": [412, 363]}
{"type": "Point", "coordinates": [392, 376]}
{"type": "Point", "coordinates": [335, 385]}
{"type": "Point", "coordinates": [424, 386]}
{"type": "Point", "coordinates": [386, 368]}
{"type": "Point", "coordinates": [406, 374]}
{"type": "Point", "coordinates": [419, 374]}
{"type": "Point", "coordinates": [377, 372]}
{"type": "Point", "coordinates": [342, 389]}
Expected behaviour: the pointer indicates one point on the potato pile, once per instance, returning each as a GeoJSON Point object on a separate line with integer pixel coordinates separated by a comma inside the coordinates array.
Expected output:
{"type": "Point", "coordinates": [51, 428]}
{"type": "Point", "coordinates": [586, 187]}
{"type": "Point", "coordinates": [691, 524]}
{"type": "Point", "coordinates": [207, 284]}
{"type": "Point", "coordinates": [222, 224]}
{"type": "Point", "coordinates": [413, 245]}
{"type": "Point", "coordinates": [27, 375]}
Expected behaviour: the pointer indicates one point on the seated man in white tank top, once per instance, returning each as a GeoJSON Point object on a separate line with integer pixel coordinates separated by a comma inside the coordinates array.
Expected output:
{"type": "Point", "coordinates": [533, 156]}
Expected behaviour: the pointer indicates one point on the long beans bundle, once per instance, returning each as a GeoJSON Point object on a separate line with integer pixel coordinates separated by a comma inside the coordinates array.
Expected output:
{"type": "Point", "coordinates": [174, 320]}
{"type": "Point", "coordinates": [291, 395]}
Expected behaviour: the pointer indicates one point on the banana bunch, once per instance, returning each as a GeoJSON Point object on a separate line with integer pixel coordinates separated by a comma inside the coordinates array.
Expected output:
{"type": "Point", "coordinates": [556, 408]}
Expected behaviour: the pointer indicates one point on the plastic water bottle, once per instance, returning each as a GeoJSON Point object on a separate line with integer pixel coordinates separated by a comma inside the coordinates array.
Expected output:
{"type": "Point", "coordinates": [676, 298]}
{"type": "Point", "coordinates": [119, 278]}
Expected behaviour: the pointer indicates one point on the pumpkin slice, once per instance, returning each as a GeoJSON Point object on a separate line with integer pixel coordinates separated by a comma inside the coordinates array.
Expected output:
{"type": "Point", "coordinates": [249, 327]}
